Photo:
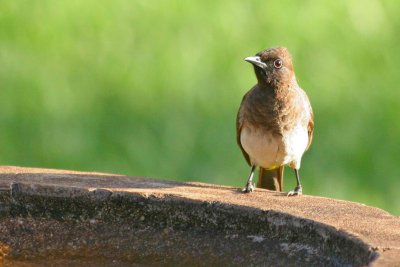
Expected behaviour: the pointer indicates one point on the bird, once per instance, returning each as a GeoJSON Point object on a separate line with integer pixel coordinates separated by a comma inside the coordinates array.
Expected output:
{"type": "Point", "coordinates": [275, 121]}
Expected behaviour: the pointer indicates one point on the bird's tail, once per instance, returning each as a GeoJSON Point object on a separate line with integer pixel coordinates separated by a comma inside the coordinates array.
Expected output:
{"type": "Point", "coordinates": [271, 179]}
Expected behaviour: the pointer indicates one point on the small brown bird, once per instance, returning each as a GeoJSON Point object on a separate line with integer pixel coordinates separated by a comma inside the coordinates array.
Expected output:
{"type": "Point", "coordinates": [275, 121]}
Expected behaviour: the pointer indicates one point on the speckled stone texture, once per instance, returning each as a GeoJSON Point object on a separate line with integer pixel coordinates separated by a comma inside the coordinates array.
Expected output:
{"type": "Point", "coordinates": [68, 218]}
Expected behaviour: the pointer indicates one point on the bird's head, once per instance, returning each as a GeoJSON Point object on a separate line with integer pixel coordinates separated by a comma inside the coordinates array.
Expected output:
{"type": "Point", "coordinates": [273, 67]}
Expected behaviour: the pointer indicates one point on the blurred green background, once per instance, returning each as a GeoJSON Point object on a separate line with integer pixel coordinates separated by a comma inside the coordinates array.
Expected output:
{"type": "Point", "coordinates": [151, 88]}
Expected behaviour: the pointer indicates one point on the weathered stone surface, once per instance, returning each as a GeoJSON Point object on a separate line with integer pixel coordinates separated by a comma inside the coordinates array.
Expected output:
{"type": "Point", "coordinates": [67, 218]}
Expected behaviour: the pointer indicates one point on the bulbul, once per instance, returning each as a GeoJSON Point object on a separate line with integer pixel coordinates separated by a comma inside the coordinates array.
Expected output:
{"type": "Point", "coordinates": [275, 121]}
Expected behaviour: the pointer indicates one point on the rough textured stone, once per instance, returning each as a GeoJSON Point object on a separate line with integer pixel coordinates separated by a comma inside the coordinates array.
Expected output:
{"type": "Point", "coordinates": [67, 218]}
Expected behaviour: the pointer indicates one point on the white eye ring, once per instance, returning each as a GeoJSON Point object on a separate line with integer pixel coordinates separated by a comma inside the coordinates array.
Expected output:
{"type": "Point", "coordinates": [278, 63]}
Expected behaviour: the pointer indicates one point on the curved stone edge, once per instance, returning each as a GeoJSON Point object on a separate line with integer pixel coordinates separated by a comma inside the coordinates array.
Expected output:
{"type": "Point", "coordinates": [389, 252]}
{"type": "Point", "coordinates": [38, 201]}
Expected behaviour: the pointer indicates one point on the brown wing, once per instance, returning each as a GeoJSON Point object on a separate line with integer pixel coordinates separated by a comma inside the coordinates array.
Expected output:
{"type": "Point", "coordinates": [239, 125]}
{"type": "Point", "coordinates": [310, 128]}
{"type": "Point", "coordinates": [310, 125]}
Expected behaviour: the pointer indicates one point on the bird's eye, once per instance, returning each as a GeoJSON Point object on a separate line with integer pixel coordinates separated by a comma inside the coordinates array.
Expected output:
{"type": "Point", "coordinates": [278, 63]}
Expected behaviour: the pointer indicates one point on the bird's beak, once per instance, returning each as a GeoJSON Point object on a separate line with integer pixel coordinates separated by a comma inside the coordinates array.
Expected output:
{"type": "Point", "coordinates": [256, 61]}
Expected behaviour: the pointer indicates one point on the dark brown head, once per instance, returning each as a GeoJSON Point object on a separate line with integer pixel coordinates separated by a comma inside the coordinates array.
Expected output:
{"type": "Point", "coordinates": [273, 67]}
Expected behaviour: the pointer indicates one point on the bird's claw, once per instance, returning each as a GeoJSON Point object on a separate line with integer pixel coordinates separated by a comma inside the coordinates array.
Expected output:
{"type": "Point", "coordinates": [248, 188]}
{"type": "Point", "coordinates": [298, 191]}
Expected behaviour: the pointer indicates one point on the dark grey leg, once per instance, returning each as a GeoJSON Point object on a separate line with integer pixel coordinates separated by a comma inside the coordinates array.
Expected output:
{"type": "Point", "coordinates": [249, 185]}
{"type": "Point", "coordinates": [298, 190]}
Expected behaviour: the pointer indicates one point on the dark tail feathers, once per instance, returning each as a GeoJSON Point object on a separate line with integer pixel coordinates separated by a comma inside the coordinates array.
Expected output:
{"type": "Point", "coordinates": [271, 179]}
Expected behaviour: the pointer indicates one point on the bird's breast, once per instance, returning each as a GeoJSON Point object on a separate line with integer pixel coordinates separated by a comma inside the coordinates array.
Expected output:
{"type": "Point", "coordinates": [270, 150]}
{"type": "Point", "coordinates": [263, 147]}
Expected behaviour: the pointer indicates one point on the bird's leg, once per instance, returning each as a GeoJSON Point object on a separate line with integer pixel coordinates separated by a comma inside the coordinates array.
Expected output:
{"type": "Point", "coordinates": [298, 189]}
{"type": "Point", "coordinates": [249, 185]}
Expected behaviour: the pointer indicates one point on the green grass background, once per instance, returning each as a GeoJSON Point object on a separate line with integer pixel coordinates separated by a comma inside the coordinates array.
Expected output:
{"type": "Point", "coordinates": [152, 88]}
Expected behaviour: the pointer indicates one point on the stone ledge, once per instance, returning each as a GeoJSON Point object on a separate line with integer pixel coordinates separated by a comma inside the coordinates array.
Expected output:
{"type": "Point", "coordinates": [66, 216]}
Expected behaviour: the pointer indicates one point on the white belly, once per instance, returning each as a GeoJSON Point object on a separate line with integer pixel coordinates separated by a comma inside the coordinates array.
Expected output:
{"type": "Point", "coordinates": [271, 151]}
{"type": "Point", "coordinates": [263, 148]}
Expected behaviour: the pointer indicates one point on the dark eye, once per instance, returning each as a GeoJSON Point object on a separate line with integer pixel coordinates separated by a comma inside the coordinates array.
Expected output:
{"type": "Point", "coordinates": [278, 63]}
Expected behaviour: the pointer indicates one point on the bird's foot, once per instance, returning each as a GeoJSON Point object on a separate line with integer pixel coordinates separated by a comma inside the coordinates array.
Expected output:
{"type": "Point", "coordinates": [248, 188]}
{"type": "Point", "coordinates": [298, 191]}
